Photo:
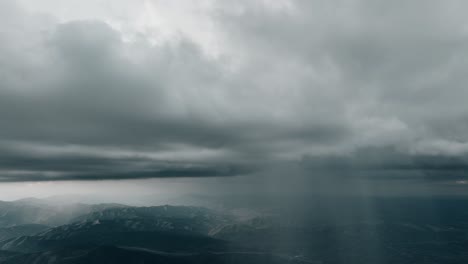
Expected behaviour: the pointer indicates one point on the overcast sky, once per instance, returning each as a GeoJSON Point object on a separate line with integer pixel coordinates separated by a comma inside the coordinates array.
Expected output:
{"type": "Point", "coordinates": [128, 89]}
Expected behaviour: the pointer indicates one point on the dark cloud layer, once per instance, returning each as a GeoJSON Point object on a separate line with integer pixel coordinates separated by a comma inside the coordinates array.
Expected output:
{"type": "Point", "coordinates": [330, 86]}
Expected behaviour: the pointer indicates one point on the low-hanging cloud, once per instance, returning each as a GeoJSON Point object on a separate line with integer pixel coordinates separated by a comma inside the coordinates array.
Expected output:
{"type": "Point", "coordinates": [316, 83]}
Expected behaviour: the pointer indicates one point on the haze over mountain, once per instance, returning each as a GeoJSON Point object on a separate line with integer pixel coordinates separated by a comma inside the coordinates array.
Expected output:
{"type": "Point", "coordinates": [402, 230]}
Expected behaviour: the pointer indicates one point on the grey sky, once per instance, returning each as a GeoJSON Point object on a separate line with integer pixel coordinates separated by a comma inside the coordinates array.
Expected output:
{"type": "Point", "coordinates": [142, 89]}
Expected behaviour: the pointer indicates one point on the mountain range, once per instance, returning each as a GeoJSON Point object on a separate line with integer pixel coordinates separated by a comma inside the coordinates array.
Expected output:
{"type": "Point", "coordinates": [40, 231]}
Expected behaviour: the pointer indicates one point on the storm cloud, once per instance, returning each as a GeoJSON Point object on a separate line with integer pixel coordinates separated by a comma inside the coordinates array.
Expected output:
{"type": "Point", "coordinates": [220, 88]}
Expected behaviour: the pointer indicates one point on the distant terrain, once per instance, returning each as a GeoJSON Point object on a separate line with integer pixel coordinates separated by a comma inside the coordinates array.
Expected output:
{"type": "Point", "coordinates": [400, 231]}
